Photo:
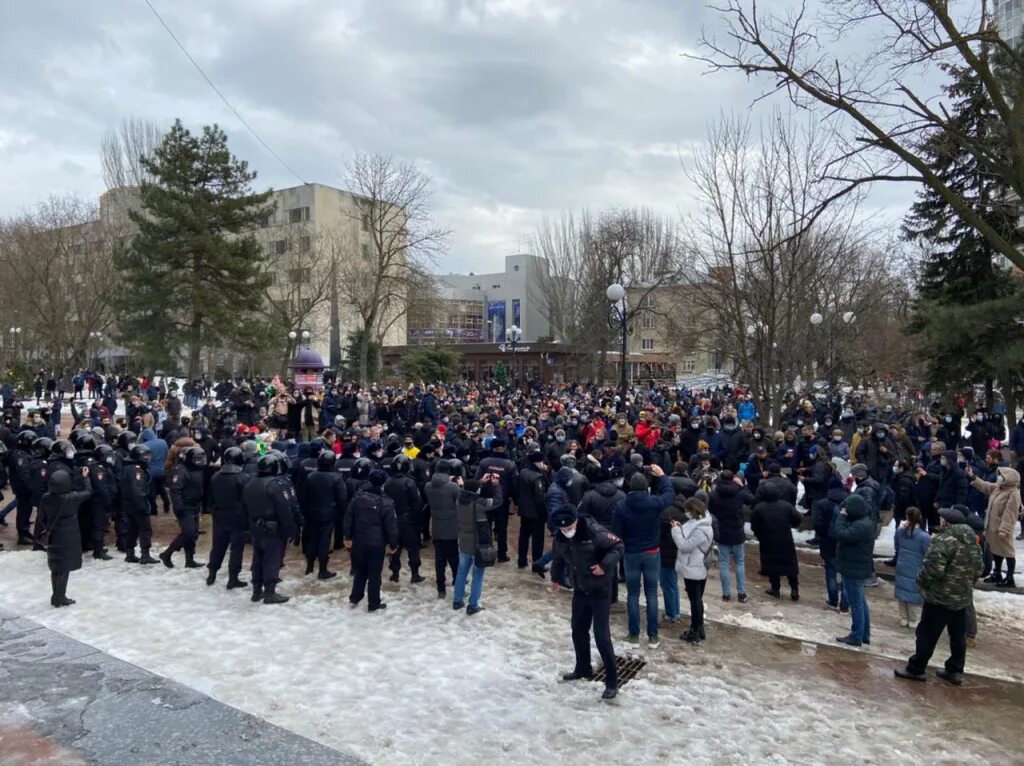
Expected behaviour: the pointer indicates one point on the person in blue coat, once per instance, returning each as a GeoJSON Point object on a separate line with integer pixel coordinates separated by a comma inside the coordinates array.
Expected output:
{"type": "Point", "coordinates": [158, 449]}
{"type": "Point", "coordinates": [912, 543]}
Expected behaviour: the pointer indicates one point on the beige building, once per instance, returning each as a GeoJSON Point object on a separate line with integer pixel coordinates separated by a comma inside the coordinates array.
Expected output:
{"type": "Point", "coordinates": [667, 339]}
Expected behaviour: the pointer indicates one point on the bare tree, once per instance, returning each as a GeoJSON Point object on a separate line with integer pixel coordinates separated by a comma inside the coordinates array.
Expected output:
{"type": "Point", "coordinates": [632, 247]}
{"type": "Point", "coordinates": [399, 240]}
{"type": "Point", "coordinates": [873, 96]}
{"type": "Point", "coordinates": [764, 258]}
{"type": "Point", "coordinates": [121, 152]}
{"type": "Point", "coordinates": [59, 265]}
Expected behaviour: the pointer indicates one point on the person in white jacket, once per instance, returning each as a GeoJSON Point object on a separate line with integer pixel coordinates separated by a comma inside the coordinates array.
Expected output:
{"type": "Point", "coordinates": [694, 539]}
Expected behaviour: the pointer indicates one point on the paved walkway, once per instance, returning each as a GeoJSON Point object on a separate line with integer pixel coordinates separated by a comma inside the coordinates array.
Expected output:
{"type": "Point", "coordinates": [63, 702]}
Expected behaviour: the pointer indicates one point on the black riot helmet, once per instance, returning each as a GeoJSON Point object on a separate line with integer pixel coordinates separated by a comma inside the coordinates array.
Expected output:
{"type": "Point", "coordinates": [315, 448]}
{"type": "Point", "coordinates": [126, 440]}
{"type": "Point", "coordinates": [195, 457]}
{"type": "Point", "coordinates": [105, 453]}
{"type": "Point", "coordinates": [362, 468]}
{"type": "Point", "coordinates": [284, 460]}
{"type": "Point", "coordinates": [139, 453]}
{"type": "Point", "coordinates": [326, 460]}
{"type": "Point", "coordinates": [76, 437]}
{"type": "Point", "coordinates": [62, 448]}
{"type": "Point", "coordinates": [233, 456]}
{"type": "Point", "coordinates": [41, 446]}
{"type": "Point", "coordinates": [401, 464]}
{"type": "Point", "coordinates": [456, 468]}
{"type": "Point", "coordinates": [26, 439]}
{"type": "Point", "coordinates": [268, 465]}
{"type": "Point", "coordinates": [86, 444]}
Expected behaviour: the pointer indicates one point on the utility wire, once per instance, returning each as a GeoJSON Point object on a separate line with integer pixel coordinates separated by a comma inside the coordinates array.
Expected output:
{"type": "Point", "coordinates": [222, 96]}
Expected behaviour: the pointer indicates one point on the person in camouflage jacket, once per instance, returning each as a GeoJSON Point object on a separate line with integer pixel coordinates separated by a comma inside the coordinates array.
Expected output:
{"type": "Point", "coordinates": [952, 564]}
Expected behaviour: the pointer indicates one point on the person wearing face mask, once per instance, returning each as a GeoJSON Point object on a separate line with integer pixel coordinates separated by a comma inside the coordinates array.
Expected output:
{"type": "Point", "coordinates": [592, 554]}
{"type": "Point", "coordinates": [838, 446]}
{"type": "Point", "coordinates": [949, 428]}
{"type": "Point", "coordinates": [978, 432]}
{"type": "Point", "coordinates": [689, 439]}
{"type": "Point", "coordinates": [531, 503]}
{"type": "Point", "coordinates": [730, 445]}
{"type": "Point", "coordinates": [1000, 519]}
{"type": "Point", "coordinates": [558, 447]}
{"type": "Point", "coordinates": [952, 488]}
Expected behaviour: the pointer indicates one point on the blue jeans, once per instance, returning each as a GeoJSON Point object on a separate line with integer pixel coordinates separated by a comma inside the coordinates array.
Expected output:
{"type": "Point", "coordinates": [736, 553]}
{"type": "Point", "coordinates": [670, 592]}
{"type": "Point", "coordinates": [861, 617]}
{"type": "Point", "coordinates": [7, 511]}
{"type": "Point", "coordinates": [476, 589]}
{"type": "Point", "coordinates": [648, 567]}
{"type": "Point", "coordinates": [836, 593]}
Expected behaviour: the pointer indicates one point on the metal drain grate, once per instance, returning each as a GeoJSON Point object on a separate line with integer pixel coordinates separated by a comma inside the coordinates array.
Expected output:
{"type": "Point", "coordinates": [627, 667]}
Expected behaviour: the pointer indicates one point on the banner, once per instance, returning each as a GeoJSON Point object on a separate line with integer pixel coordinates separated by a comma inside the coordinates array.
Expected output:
{"type": "Point", "coordinates": [517, 319]}
{"type": "Point", "coordinates": [496, 317]}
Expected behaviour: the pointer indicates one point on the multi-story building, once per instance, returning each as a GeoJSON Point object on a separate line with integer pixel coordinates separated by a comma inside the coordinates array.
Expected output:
{"type": "Point", "coordinates": [1009, 19]}
{"type": "Point", "coordinates": [481, 307]}
{"type": "Point", "coordinates": [312, 229]}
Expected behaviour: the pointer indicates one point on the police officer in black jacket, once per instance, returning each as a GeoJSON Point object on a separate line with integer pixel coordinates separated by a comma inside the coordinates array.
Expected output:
{"type": "Point", "coordinates": [39, 474]}
{"type": "Point", "coordinates": [230, 523]}
{"type": "Point", "coordinates": [187, 489]}
{"type": "Point", "coordinates": [268, 504]}
{"type": "Point", "coordinates": [103, 493]}
{"type": "Point", "coordinates": [505, 469]}
{"type": "Point", "coordinates": [404, 493]}
{"type": "Point", "coordinates": [19, 473]}
{"type": "Point", "coordinates": [370, 525]}
{"type": "Point", "coordinates": [134, 485]}
{"type": "Point", "coordinates": [325, 499]}
{"type": "Point", "coordinates": [593, 553]}
{"type": "Point", "coordinates": [532, 491]}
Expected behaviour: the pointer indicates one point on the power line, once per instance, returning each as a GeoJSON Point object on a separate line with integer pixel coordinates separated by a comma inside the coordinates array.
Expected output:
{"type": "Point", "coordinates": [223, 98]}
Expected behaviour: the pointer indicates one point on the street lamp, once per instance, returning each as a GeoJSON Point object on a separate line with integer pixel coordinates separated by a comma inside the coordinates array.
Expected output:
{"type": "Point", "coordinates": [97, 337]}
{"type": "Point", "coordinates": [15, 334]}
{"type": "Point", "coordinates": [512, 336]}
{"type": "Point", "coordinates": [817, 319]}
{"type": "Point", "coordinates": [618, 319]}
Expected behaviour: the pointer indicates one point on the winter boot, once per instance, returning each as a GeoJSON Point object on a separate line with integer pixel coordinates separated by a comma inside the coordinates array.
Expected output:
{"type": "Point", "coordinates": [211, 578]}
{"type": "Point", "coordinates": [794, 594]}
{"type": "Point", "coordinates": [394, 577]}
{"type": "Point", "coordinates": [773, 593]}
{"type": "Point", "coordinates": [102, 555]}
{"type": "Point", "coordinates": [271, 596]}
{"type": "Point", "coordinates": [995, 578]}
{"type": "Point", "coordinates": [257, 592]}
{"type": "Point", "coordinates": [234, 582]}
{"type": "Point", "coordinates": [325, 573]}
{"type": "Point", "coordinates": [165, 557]}
{"type": "Point", "coordinates": [146, 558]}
{"type": "Point", "coordinates": [309, 564]}
{"type": "Point", "coordinates": [416, 576]}
{"type": "Point", "coordinates": [131, 558]}
{"type": "Point", "coordinates": [62, 591]}
{"type": "Point", "coordinates": [1006, 583]}
{"type": "Point", "coordinates": [54, 587]}
{"type": "Point", "coordinates": [191, 563]}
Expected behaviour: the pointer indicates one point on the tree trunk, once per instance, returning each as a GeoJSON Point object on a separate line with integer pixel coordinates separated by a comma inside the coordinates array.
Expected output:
{"type": "Point", "coordinates": [364, 353]}
{"type": "Point", "coordinates": [334, 355]}
{"type": "Point", "coordinates": [990, 396]}
{"type": "Point", "coordinates": [288, 353]}
{"type": "Point", "coordinates": [195, 345]}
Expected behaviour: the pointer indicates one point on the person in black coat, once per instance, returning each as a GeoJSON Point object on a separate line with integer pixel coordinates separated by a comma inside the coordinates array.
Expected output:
{"type": "Point", "coordinates": [725, 505]}
{"type": "Point", "coordinates": [533, 512]}
{"type": "Point", "coordinates": [325, 499]}
{"type": "Point", "coordinates": [187, 492]}
{"type": "Point", "coordinates": [405, 495]}
{"type": "Point", "coordinates": [370, 525]}
{"type": "Point", "coordinates": [772, 521]}
{"type": "Point", "coordinates": [59, 509]}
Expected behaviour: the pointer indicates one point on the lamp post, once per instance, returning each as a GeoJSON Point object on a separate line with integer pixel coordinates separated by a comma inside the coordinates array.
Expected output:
{"type": "Point", "coordinates": [512, 336]}
{"type": "Point", "coordinates": [619, 319]}
{"type": "Point", "coordinates": [15, 335]}
{"type": "Point", "coordinates": [96, 337]}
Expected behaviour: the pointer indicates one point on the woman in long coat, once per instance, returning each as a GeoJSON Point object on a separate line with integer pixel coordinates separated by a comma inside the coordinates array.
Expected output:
{"type": "Point", "coordinates": [64, 547]}
{"type": "Point", "coordinates": [773, 520]}
{"type": "Point", "coordinates": [1000, 519]}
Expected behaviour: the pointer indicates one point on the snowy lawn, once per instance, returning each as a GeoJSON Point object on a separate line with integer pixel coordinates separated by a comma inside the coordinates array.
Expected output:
{"type": "Point", "coordinates": [422, 684]}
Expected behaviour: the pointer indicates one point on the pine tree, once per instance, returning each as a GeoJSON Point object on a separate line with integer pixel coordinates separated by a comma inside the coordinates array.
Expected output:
{"type": "Point", "coordinates": [963, 319]}
{"type": "Point", "coordinates": [187, 272]}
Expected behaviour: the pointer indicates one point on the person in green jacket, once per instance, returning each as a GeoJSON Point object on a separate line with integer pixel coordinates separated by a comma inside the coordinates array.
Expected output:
{"type": "Point", "coordinates": [855, 543]}
{"type": "Point", "coordinates": [946, 580]}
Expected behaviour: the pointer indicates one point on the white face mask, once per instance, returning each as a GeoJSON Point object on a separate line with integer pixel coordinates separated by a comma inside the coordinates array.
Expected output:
{"type": "Point", "coordinates": [569, 533]}
{"type": "Point", "coordinates": [619, 482]}
{"type": "Point", "coordinates": [1000, 479]}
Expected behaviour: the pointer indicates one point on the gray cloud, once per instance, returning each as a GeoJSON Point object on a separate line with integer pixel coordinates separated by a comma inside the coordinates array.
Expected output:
{"type": "Point", "coordinates": [518, 108]}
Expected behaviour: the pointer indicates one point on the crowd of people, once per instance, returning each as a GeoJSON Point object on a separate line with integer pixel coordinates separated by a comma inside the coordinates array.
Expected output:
{"type": "Point", "coordinates": [640, 487]}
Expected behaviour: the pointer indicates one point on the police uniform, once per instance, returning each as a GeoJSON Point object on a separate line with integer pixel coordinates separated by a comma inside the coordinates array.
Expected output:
{"type": "Point", "coordinates": [230, 522]}
{"type": "Point", "coordinates": [404, 493]}
{"type": "Point", "coordinates": [498, 516]}
{"type": "Point", "coordinates": [187, 502]}
{"type": "Point", "coordinates": [325, 501]}
{"type": "Point", "coordinates": [135, 508]}
{"type": "Point", "coordinates": [268, 505]}
{"type": "Point", "coordinates": [103, 492]}
{"type": "Point", "coordinates": [20, 476]}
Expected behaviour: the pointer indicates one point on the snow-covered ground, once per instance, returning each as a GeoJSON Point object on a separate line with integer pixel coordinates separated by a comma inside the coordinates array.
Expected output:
{"type": "Point", "coordinates": [422, 684]}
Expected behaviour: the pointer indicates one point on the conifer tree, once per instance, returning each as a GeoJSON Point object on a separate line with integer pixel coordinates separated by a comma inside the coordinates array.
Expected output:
{"type": "Point", "coordinates": [187, 276]}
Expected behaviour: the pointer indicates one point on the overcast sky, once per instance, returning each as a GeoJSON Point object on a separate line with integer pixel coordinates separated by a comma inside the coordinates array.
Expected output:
{"type": "Point", "coordinates": [517, 108]}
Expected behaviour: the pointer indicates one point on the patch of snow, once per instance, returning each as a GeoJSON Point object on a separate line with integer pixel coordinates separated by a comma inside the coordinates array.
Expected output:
{"type": "Point", "coordinates": [422, 684]}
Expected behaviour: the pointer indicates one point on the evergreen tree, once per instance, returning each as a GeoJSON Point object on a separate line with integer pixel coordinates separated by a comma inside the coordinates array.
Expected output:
{"type": "Point", "coordinates": [350, 367]}
{"type": "Point", "coordinates": [432, 364]}
{"type": "Point", "coordinates": [963, 318]}
{"type": "Point", "coordinates": [188, 271]}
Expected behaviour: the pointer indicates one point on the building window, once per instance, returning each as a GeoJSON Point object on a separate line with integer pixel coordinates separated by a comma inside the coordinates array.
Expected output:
{"type": "Point", "coordinates": [366, 221]}
{"type": "Point", "coordinates": [304, 244]}
{"type": "Point", "coordinates": [647, 322]}
{"type": "Point", "coordinates": [647, 344]}
{"type": "Point", "coordinates": [298, 276]}
{"type": "Point", "coordinates": [298, 214]}
{"type": "Point", "coordinates": [689, 365]}
{"type": "Point", "coordinates": [279, 246]}
{"type": "Point", "coordinates": [647, 302]}
{"type": "Point", "coordinates": [272, 278]}
{"type": "Point", "coordinates": [268, 221]}
{"type": "Point", "coordinates": [365, 250]}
